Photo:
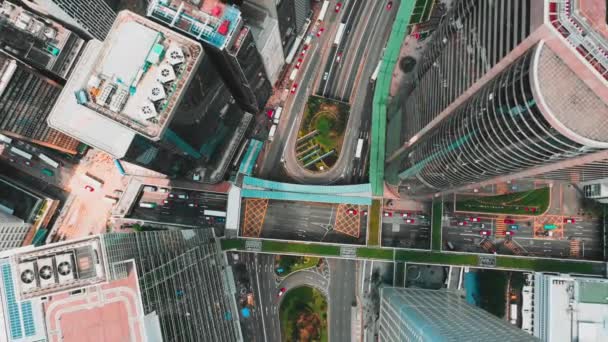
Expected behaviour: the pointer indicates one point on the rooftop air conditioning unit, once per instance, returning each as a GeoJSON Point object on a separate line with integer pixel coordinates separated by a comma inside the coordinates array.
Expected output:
{"type": "Point", "coordinates": [27, 276]}
{"type": "Point", "coordinates": [65, 267]}
{"type": "Point", "coordinates": [166, 73]}
{"type": "Point", "coordinates": [147, 110]}
{"type": "Point", "coordinates": [46, 272]}
{"type": "Point", "coordinates": [175, 55]}
{"type": "Point", "coordinates": [157, 93]}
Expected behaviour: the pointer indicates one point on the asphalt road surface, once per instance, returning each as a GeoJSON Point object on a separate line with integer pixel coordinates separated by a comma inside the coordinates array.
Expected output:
{"type": "Point", "coordinates": [305, 221]}
{"type": "Point", "coordinates": [368, 27]}
{"type": "Point", "coordinates": [187, 212]}
{"type": "Point", "coordinates": [396, 232]}
{"type": "Point", "coordinates": [467, 237]}
{"type": "Point", "coordinates": [342, 287]}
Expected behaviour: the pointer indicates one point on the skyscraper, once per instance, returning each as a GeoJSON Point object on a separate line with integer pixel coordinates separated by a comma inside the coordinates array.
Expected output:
{"type": "Point", "coordinates": [499, 90]}
{"type": "Point", "coordinates": [150, 96]}
{"type": "Point", "coordinates": [12, 231]}
{"type": "Point", "coordinates": [409, 314]}
{"type": "Point", "coordinates": [228, 42]}
{"type": "Point", "coordinates": [26, 98]}
{"type": "Point", "coordinates": [93, 17]}
{"type": "Point", "coordinates": [144, 286]}
{"type": "Point", "coordinates": [38, 41]}
{"type": "Point", "coordinates": [184, 281]}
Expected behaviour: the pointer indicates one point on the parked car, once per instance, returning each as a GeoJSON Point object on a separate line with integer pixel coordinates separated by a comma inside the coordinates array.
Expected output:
{"type": "Point", "coordinates": [338, 6]}
{"type": "Point", "coordinates": [569, 220]}
{"type": "Point", "coordinates": [509, 221]}
{"type": "Point", "coordinates": [89, 188]}
{"type": "Point", "coordinates": [388, 214]}
{"type": "Point", "coordinates": [351, 212]}
{"type": "Point", "coordinates": [474, 219]}
{"type": "Point", "coordinates": [484, 232]}
{"type": "Point", "coordinates": [510, 233]}
{"type": "Point", "coordinates": [462, 223]}
{"type": "Point", "coordinates": [299, 63]}
{"type": "Point", "coordinates": [281, 291]}
{"type": "Point", "coordinates": [320, 31]}
{"type": "Point", "coordinates": [293, 88]}
{"type": "Point", "coordinates": [410, 221]}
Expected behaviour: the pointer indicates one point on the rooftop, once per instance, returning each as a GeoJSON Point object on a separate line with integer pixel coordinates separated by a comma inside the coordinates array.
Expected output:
{"type": "Point", "coordinates": [578, 308]}
{"type": "Point", "coordinates": [110, 312]}
{"type": "Point", "coordinates": [132, 83]}
{"type": "Point", "coordinates": [210, 21]}
{"type": "Point", "coordinates": [39, 41]}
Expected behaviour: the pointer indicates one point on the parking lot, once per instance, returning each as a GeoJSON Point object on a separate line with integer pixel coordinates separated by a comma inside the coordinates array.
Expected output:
{"type": "Point", "coordinates": [304, 221]}
{"type": "Point", "coordinates": [175, 206]}
{"type": "Point", "coordinates": [406, 229]}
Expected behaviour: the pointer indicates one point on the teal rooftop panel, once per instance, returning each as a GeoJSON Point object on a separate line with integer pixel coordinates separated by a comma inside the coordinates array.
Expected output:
{"type": "Point", "coordinates": [358, 189]}
{"type": "Point", "coordinates": [304, 197]}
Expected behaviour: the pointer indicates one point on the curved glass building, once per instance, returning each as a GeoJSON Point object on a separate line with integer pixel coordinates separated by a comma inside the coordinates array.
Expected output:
{"type": "Point", "coordinates": [498, 94]}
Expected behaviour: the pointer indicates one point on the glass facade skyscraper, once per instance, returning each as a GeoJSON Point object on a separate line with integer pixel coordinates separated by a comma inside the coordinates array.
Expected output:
{"type": "Point", "coordinates": [408, 314]}
{"type": "Point", "coordinates": [183, 279]}
{"type": "Point", "coordinates": [497, 92]}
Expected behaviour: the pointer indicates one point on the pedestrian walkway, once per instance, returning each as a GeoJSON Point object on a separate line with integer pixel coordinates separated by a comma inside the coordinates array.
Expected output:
{"type": "Point", "coordinates": [381, 94]}
{"type": "Point", "coordinates": [575, 248]}
{"type": "Point", "coordinates": [501, 227]}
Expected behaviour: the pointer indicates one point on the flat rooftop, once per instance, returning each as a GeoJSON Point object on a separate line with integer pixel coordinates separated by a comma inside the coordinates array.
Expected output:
{"type": "Point", "coordinates": [130, 84]}
{"type": "Point", "coordinates": [210, 21]}
{"type": "Point", "coordinates": [578, 309]}
{"type": "Point", "coordinates": [109, 312]}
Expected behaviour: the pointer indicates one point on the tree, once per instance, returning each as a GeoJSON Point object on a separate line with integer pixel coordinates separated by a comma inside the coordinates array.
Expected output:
{"type": "Point", "coordinates": [137, 227]}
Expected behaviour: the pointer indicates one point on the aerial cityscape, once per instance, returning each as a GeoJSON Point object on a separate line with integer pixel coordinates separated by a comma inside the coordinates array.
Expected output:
{"type": "Point", "coordinates": [303, 170]}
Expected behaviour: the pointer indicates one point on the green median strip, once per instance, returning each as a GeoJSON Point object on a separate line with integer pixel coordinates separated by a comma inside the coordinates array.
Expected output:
{"type": "Point", "coordinates": [228, 244]}
{"type": "Point", "coordinates": [437, 258]}
{"type": "Point", "coordinates": [375, 253]}
{"type": "Point", "coordinates": [436, 225]}
{"type": "Point", "coordinates": [513, 203]}
{"type": "Point", "coordinates": [374, 224]}
{"type": "Point", "coordinates": [425, 257]}
{"type": "Point", "coordinates": [299, 248]}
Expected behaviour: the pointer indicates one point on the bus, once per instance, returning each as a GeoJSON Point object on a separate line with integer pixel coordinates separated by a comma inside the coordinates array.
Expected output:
{"type": "Point", "coordinates": [271, 133]}
{"type": "Point", "coordinates": [149, 205]}
{"type": "Point", "coordinates": [339, 34]}
{"type": "Point", "coordinates": [550, 226]}
{"type": "Point", "coordinates": [21, 153]}
{"type": "Point", "coordinates": [293, 74]}
{"type": "Point", "coordinates": [48, 172]}
{"type": "Point", "coordinates": [376, 72]}
{"type": "Point", "coordinates": [214, 213]}
{"type": "Point", "coordinates": [359, 148]}
{"type": "Point", "coordinates": [323, 10]}
{"type": "Point", "coordinates": [48, 160]}
{"type": "Point", "coordinates": [277, 115]}
{"type": "Point", "coordinates": [307, 40]}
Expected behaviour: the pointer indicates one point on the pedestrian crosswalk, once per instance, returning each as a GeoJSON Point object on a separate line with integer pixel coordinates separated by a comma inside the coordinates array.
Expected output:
{"type": "Point", "coordinates": [501, 227]}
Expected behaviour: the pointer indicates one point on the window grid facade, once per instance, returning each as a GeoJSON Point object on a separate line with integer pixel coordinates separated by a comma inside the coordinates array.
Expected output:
{"type": "Point", "coordinates": [408, 314]}
{"type": "Point", "coordinates": [182, 278]}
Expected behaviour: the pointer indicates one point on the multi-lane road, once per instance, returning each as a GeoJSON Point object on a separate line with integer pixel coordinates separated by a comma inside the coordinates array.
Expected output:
{"type": "Point", "coordinates": [367, 26]}
{"type": "Point", "coordinates": [398, 232]}
{"type": "Point", "coordinates": [289, 220]}
{"type": "Point", "coordinates": [186, 211]}
{"type": "Point", "coordinates": [341, 298]}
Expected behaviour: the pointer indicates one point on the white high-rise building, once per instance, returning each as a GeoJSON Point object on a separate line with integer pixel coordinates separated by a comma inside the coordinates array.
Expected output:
{"type": "Point", "coordinates": [12, 231]}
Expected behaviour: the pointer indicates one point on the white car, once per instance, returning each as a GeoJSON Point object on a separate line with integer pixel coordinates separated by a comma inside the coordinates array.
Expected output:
{"type": "Point", "coordinates": [325, 75]}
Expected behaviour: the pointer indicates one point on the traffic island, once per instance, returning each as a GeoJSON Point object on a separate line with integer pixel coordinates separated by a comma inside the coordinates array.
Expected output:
{"type": "Point", "coordinates": [532, 202]}
{"type": "Point", "coordinates": [321, 133]}
{"type": "Point", "coordinates": [303, 315]}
